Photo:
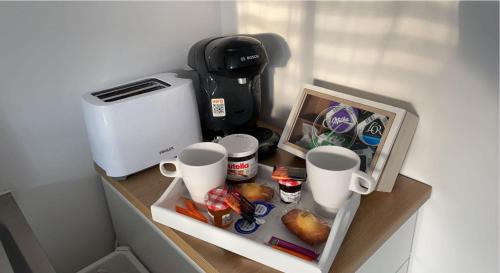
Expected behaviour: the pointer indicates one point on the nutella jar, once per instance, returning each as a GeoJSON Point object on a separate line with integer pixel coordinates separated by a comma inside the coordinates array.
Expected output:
{"type": "Point", "coordinates": [242, 163]}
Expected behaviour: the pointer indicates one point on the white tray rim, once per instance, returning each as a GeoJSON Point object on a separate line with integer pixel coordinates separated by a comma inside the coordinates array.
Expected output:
{"type": "Point", "coordinates": [255, 250]}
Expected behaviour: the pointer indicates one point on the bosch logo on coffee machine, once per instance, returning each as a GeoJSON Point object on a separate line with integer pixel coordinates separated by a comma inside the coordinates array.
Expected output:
{"type": "Point", "coordinates": [249, 57]}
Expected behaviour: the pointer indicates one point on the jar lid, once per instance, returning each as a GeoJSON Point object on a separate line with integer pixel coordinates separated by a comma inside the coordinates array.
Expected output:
{"type": "Point", "coordinates": [240, 145]}
{"type": "Point", "coordinates": [289, 182]}
{"type": "Point", "coordinates": [214, 199]}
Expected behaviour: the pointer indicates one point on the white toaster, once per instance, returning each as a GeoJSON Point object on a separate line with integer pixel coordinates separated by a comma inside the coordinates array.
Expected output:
{"type": "Point", "coordinates": [136, 125]}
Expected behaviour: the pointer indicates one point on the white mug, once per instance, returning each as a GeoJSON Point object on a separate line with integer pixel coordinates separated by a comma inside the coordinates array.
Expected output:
{"type": "Point", "coordinates": [333, 174]}
{"type": "Point", "coordinates": [202, 166]}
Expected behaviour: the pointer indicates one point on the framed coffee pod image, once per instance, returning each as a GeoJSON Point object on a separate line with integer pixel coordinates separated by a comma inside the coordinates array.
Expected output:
{"type": "Point", "coordinates": [371, 129]}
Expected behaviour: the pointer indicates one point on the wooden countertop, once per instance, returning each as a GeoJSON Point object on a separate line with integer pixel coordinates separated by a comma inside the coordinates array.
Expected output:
{"type": "Point", "coordinates": [379, 215]}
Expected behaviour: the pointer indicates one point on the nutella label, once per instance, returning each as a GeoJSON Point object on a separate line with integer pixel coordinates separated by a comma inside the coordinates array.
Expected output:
{"type": "Point", "coordinates": [242, 170]}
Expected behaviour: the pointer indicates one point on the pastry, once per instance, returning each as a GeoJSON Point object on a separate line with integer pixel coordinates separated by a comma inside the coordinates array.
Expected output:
{"type": "Point", "coordinates": [306, 226]}
{"type": "Point", "coordinates": [253, 192]}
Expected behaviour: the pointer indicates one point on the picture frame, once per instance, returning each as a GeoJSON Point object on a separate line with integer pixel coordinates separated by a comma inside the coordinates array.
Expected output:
{"type": "Point", "coordinates": [322, 116]}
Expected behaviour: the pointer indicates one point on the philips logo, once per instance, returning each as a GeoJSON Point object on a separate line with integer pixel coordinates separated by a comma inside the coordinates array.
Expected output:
{"type": "Point", "coordinates": [166, 150]}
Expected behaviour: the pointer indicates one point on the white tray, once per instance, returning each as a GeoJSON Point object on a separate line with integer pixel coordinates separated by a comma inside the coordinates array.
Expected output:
{"type": "Point", "coordinates": [254, 246]}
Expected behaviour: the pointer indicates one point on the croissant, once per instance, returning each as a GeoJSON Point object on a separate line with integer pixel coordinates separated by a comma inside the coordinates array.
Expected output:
{"type": "Point", "coordinates": [306, 226]}
{"type": "Point", "coordinates": [253, 192]}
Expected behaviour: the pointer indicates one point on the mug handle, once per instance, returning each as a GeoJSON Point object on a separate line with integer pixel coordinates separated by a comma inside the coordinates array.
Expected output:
{"type": "Point", "coordinates": [168, 173]}
{"type": "Point", "coordinates": [356, 181]}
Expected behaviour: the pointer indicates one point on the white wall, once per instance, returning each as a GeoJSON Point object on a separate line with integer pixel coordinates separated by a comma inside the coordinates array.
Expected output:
{"type": "Point", "coordinates": [442, 57]}
{"type": "Point", "coordinates": [50, 54]}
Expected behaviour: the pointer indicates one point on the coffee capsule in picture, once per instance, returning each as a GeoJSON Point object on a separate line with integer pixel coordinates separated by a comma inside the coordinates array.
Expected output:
{"type": "Point", "coordinates": [371, 129]}
{"type": "Point", "coordinates": [340, 118]}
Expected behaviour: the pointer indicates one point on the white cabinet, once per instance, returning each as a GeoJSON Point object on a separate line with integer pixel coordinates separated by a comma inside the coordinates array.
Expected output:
{"type": "Point", "coordinates": [394, 254]}
{"type": "Point", "coordinates": [153, 248]}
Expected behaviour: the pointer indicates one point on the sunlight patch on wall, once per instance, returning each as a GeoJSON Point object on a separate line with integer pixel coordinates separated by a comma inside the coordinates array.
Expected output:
{"type": "Point", "coordinates": [345, 54]}
{"type": "Point", "coordinates": [418, 28]}
{"type": "Point", "coordinates": [354, 25]}
{"type": "Point", "coordinates": [369, 46]}
{"type": "Point", "coordinates": [357, 45]}
{"type": "Point", "coordinates": [407, 61]}
{"type": "Point", "coordinates": [287, 20]}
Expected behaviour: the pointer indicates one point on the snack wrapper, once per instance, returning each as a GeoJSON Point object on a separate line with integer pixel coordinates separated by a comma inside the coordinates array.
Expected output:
{"type": "Point", "coordinates": [289, 173]}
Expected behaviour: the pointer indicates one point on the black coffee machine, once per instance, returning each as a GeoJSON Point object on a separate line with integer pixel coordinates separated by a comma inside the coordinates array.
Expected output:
{"type": "Point", "coordinates": [229, 70]}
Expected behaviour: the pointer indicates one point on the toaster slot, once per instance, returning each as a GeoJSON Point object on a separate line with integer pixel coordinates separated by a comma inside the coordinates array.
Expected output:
{"type": "Point", "coordinates": [129, 90]}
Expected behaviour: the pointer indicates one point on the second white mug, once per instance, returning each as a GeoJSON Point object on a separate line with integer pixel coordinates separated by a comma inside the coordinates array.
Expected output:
{"type": "Point", "coordinates": [333, 174]}
{"type": "Point", "coordinates": [202, 166]}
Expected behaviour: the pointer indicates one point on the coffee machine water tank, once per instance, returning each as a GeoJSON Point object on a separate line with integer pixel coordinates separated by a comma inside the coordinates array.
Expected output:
{"type": "Point", "coordinates": [229, 70]}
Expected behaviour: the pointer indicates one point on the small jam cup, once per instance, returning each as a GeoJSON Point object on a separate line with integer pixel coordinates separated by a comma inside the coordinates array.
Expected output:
{"type": "Point", "coordinates": [220, 213]}
{"type": "Point", "coordinates": [290, 190]}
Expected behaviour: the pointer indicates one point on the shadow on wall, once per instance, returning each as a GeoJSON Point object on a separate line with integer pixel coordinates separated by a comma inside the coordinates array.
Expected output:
{"type": "Point", "coordinates": [16, 170]}
{"type": "Point", "coordinates": [370, 46]}
{"type": "Point", "coordinates": [476, 49]}
{"type": "Point", "coordinates": [278, 53]}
